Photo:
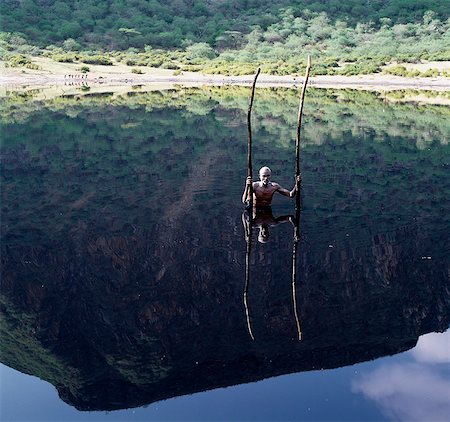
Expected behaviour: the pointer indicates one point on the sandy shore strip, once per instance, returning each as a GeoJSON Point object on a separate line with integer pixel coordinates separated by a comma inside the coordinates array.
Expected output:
{"type": "Point", "coordinates": [367, 82]}
{"type": "Point", "coordinates": [51, 72]}
{"type": "Point", "coordinates": [55, 73]}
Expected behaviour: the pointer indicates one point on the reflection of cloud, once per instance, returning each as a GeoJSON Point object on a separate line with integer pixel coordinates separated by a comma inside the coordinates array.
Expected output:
{"type": "Point", "coordinates": [412, 391]}
{"type": "Point", "coordinates": [407, 392]}
{"type": "Point", "coordinates": [433, 347]}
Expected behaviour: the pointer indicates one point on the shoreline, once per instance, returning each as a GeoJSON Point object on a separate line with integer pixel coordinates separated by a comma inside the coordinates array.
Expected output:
{"type": "Point", "coordinates": [12, 79]}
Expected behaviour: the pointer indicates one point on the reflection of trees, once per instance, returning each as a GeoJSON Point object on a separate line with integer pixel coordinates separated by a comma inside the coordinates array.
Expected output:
{"type": "Point", "coordinates": [118, 165]}
{"type": "Point", "coordinates": [331, 114]}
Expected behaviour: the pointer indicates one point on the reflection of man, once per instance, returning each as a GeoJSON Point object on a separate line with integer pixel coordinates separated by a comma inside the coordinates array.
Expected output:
{"type": "Point", "coordinates": [263, 219]}
{"type": "Point", "coordinates": [264, 190]}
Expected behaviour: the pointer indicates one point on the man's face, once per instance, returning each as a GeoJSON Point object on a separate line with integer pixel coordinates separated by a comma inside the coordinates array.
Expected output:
{"type": "Point", "coordinates": [264, 176]}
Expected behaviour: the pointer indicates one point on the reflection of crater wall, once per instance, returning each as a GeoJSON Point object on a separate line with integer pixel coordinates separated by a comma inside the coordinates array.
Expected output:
{"type": "Point", "coordinates": [123, 251]}
{"type": "Point", "coordinates": [139, 321]}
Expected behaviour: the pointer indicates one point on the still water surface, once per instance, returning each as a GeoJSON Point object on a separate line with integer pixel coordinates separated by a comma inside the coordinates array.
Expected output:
{"type": "Point", "coordinates": [125, 259]}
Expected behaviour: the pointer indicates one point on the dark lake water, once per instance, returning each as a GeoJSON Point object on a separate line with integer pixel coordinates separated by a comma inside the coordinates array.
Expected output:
{"type": "Point", "coordinates": [125, 260]}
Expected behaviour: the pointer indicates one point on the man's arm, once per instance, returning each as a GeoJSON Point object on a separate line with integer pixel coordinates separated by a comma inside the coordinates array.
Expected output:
{"type": "Point", "coordinates": [246, 194]}
{"type": "Point", "coordinates": [286, 192]}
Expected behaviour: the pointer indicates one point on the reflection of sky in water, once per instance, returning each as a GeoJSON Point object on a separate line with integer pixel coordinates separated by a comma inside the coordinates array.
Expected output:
{"type": "Point", "coordinates": [417, 389]}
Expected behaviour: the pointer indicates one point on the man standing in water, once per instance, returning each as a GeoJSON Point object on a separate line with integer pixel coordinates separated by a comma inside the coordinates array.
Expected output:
{"type": "Point", "coordinates": [264, 190]}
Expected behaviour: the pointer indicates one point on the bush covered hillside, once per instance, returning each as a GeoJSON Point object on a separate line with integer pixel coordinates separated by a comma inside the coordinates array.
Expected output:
{"type": "Point", "coordinates": [219, 36]}
{"type": "Point", "coordinates": [119, 24]}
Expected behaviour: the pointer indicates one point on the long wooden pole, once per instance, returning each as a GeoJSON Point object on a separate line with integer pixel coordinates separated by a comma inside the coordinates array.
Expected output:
{"type": "Point", "coordinates": [297, 140]}
{"type": "Point", "coordinates": [296, 239]}
{"type": "Point", "coordinates": [249, 125]}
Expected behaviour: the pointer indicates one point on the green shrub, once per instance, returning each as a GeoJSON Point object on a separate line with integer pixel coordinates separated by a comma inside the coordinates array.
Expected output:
{"type": "Point", "coordinates": [170, 65]}
{"type": "Point", "coordinates": [52, 49]}
{"type": "Point", "coordinates": [191, 68]}
{"type": "Point", "coordinates": [397, 70]}
{"type": "Point", "coordinates": [320, 69]}
{"type": "Point", "coordinates": [430, 73]}
{"type": "Point", "coordinates": [154, 63]}
{"type": "Point", "coordinates": [137, 71]}
{"type": "Point", "coordinates": [32, 66]}
{"type": "Point", "coordinates": [402, 71]}
{"type": "Point", "coordinates": [84, 69]}
{"type": "Point", "coordinates": [201, 50]}
{"type": "Point", "coordinates": [28, 49]}
{"type": "Point", "coordinates": [440, 56]}
{"type": "Point", "coordinates": [101, 60]}
{"type": "Point", "coordinates": [71, 45]}
{"type": "Point", "coordinates": [413, 73]}
{"type": "Point", "coordinates": [64, 58]}
{"type": "Point", "coordinates": [362, 68]}
{"type": "Point", "coordinates": [17, 60]}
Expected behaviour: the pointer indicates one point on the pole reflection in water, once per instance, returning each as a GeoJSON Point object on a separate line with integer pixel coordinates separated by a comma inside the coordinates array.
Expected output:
{"type": "Point", "coordinates": [247, 221]}
{"type": "Point", "coordinates": [262, 218]}
{"type": "Point", "coordinates": [296, 240]}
